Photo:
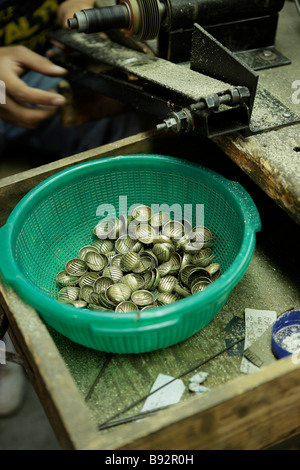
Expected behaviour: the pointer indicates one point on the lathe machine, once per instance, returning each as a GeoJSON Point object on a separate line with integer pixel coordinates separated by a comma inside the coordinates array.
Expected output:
{"type": "Point", "coordinates": [192, 64]}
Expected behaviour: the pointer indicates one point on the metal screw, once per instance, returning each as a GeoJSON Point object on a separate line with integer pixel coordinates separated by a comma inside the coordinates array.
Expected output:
{"type": "Point", "coordinates": [267, 54]}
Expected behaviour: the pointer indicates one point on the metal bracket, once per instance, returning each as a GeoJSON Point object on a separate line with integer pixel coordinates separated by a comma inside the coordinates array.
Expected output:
{"type": "Point", "coordinates": [263, 58]}
{"type": "Point", "coordinates": [269, 113]}
{"type": "Point", "coordinates": [210, 57]}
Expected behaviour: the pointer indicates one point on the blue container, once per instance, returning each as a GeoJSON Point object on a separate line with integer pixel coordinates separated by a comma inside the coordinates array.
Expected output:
{"type": "Point", "coordinates": [286, 334]}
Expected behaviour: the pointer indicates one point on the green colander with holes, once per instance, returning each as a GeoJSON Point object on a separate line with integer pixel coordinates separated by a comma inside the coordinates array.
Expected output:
{"type": "Point", "coordinates": [55, 219]}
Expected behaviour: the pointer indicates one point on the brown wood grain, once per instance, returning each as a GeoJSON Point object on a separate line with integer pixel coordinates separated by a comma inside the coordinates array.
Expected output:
{"type": "Point", "coordinates": [251, 412]}
{"type": "Point", "coordinates": [274, 168]}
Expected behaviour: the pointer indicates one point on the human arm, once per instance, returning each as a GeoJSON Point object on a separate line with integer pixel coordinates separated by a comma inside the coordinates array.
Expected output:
{"type": "Point", "coordinates": [18, 109]}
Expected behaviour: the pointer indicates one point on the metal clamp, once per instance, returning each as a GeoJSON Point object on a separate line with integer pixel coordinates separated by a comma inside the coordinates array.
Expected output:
{"type": "Point", "coordinates": [183, 120]}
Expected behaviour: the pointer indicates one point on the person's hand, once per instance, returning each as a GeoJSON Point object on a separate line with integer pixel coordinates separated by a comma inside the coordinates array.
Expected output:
{"type": "Point", "coordinates": [18, 110]}
{"type": "Point", "coordinates": [67, 9]}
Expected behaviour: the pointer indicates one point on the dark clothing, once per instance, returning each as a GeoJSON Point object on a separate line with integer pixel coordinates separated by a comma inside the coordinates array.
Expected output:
{"type": "Point", "coordinates": [27, 22]}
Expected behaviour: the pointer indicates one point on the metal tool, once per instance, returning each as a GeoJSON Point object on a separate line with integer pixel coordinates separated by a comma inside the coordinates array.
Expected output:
{"type": "Point", "coordinates": [244, 27]}
{"type": "Point", "coordinates": [145, 18]}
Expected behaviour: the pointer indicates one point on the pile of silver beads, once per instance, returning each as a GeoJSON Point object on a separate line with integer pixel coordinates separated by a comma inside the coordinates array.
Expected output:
{"type": "Point", "coordinates": [140, 262]}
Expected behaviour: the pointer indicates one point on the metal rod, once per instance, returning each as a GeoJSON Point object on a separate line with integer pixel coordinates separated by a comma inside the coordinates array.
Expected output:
{"type": "Point", "coordinates": [131, 418]}
{"type": "Point", "coordinates": [96, 381]}
{"type": "Point", "coordinates": [103, 425]}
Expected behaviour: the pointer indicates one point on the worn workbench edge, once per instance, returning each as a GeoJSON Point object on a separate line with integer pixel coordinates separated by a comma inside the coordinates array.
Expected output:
{"type": "Point", "coordinates": [49, 374]}
{"type": "Point", "coordinates": [240, 415]}
{"type": "Point", "coordinates": [244, 152]}
{"type": "Point", "coordinates": [252, 159]}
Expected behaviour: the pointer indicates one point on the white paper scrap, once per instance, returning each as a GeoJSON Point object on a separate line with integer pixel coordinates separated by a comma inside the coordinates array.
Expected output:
{"type": "Point", "coordinates": [168, 395]}
{"type": "Point", "coordinates": [197, 388]}
{"type": "Point", "coordinates": [199, 378]}
{"type": "Point", "coordinates": [256, 323]}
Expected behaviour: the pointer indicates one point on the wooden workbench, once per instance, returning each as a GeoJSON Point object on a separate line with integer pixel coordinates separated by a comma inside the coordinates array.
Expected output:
{"type": "Point", "coordinates": [272, 159]}
{"type": "Point", "coordinates": [241, 411]}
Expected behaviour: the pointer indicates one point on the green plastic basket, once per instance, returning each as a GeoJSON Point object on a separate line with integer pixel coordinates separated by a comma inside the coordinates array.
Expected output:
{"type": "Point", "coordinates": [55, 219]}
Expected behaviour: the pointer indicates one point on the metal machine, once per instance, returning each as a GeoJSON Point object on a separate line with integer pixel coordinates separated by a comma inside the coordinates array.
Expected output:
{"type": "Point", "coordinates": [191, 63]}
{"type": "Point", "coordinates": [238, 24]}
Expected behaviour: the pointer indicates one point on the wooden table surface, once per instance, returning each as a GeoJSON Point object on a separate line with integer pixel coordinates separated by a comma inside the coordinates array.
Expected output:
{"type": "Point", "coordinates": [270, 158]}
